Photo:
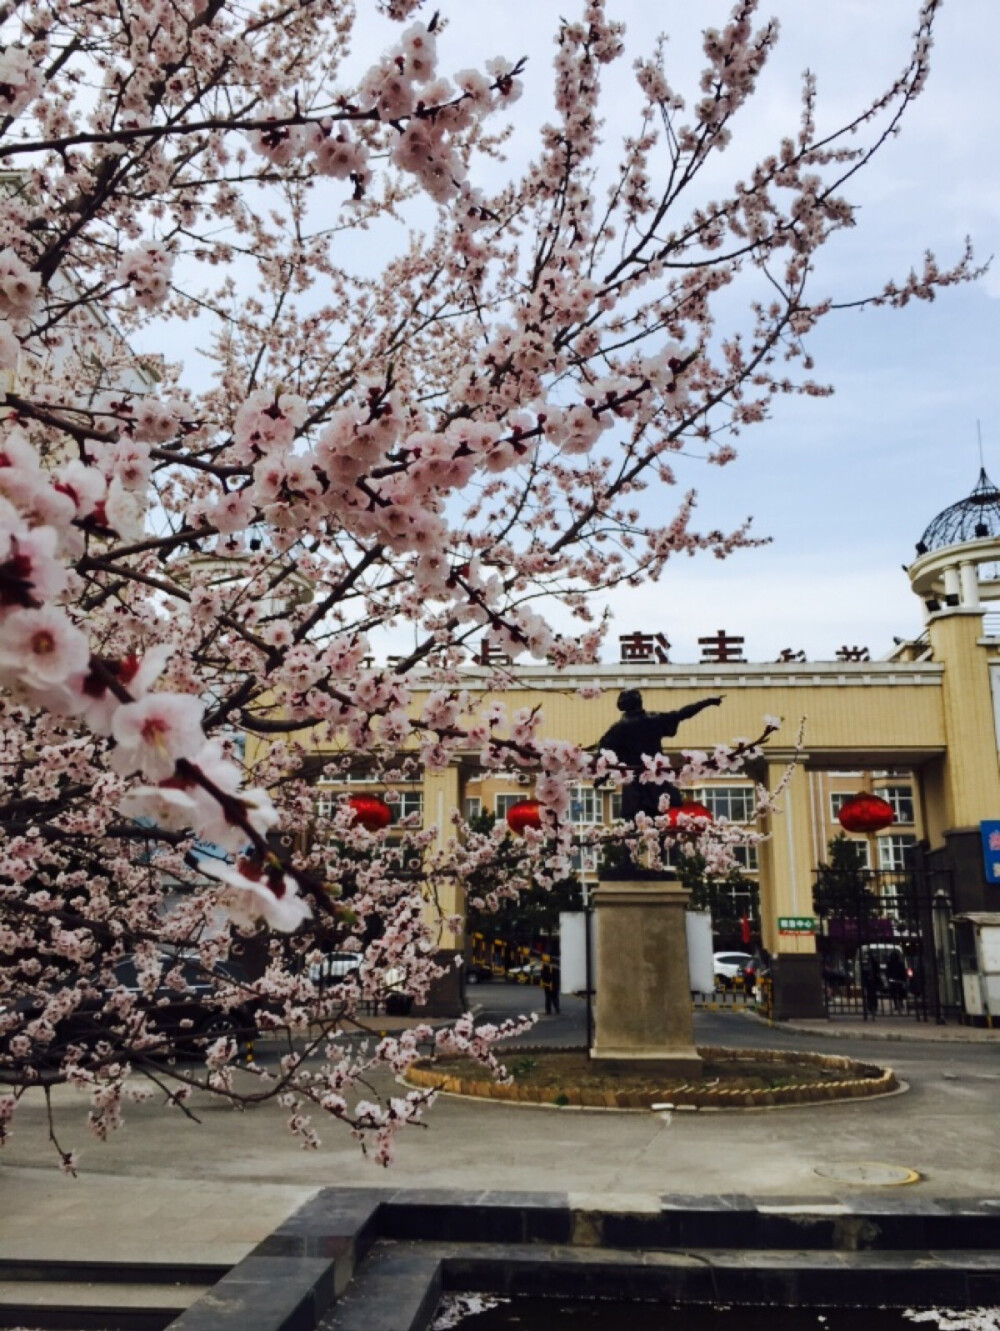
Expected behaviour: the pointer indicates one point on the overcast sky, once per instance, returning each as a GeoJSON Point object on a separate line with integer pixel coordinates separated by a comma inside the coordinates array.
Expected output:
{"type": "Point", "coordinates": [844, 485]}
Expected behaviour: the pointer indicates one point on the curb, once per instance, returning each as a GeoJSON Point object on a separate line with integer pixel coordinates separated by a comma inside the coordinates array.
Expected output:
{"type": "Point", "coordinates": [869, 1031]}
{"type": "Point", "coordinates": [859, 1081]}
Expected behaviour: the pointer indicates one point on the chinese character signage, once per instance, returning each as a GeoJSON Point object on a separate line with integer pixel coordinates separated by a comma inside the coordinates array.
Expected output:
{"type": "Point", "coordinates": [490, 655]}
{"type": "Point", "coordinates": [990, 833]}
{"type": "Point", "coordinates": [721, 646]}
{"type": "Point", "coordinates": [644, 647]}
{"type": "Point", "coordinates": [846, 653]}
{"type": "Point", "coordinates": [796, 924]}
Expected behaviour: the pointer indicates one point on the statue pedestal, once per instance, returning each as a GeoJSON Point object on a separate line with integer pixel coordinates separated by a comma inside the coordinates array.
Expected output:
{"type": "Point", "coordinates": [643, 1008]}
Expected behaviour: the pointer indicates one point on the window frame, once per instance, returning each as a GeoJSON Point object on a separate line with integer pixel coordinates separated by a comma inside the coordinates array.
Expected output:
{"type": "Point", "coordinates": [899, 795]}
{"type": "Point", "coordinates": [590, 801]}
{"type": "Point", "coordinates": [740, 794]}
{"type": "Point", "coordinates": [511, 798]}
{"type": "Point", "coordinates": [898, 843]}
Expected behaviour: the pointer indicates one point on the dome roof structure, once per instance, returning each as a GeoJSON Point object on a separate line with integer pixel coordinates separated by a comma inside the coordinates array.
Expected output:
{"type": "Point", "coordinates": [975, 518]}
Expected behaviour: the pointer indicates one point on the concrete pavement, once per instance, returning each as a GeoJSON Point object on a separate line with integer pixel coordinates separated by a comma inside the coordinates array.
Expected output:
{"type": "Point", "coordinates": [167, 1188]}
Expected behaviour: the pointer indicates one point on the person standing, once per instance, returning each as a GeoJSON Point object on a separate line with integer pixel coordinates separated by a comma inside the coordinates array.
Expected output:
{"type": "Point", "coordinates": [870, 982]}
{"type": "Point", "coordinates": [550, 984]}
{"type": "Point", "coordinates": [895, 975]}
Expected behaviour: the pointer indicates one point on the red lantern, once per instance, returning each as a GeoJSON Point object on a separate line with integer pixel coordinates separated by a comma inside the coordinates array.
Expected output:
{"type": "Point", "coordinates": [523, 814]}
{"type": "Point", "coordinates": [865, 813]}
{"type": "Point", "coordinates": [691, 809]}
{"type": "Point", "coordinates": [372, 813]}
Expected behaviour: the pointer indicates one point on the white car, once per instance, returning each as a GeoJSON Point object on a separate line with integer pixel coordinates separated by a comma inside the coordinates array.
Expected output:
{"type": "Point", "coordinates": [335, 966]}
{"type": "Point", "coordinates": [727, 965]}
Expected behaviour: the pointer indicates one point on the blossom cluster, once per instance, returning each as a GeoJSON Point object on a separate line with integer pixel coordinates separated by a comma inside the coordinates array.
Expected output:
{"type": "Point", "coordinates": [46, 659]}
{"type": "Point", "coordinates": [291, 362]}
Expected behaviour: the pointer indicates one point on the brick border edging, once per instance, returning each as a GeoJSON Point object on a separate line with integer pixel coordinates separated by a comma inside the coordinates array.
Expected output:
{"type": "Point", "coordinates": [688, 1094]}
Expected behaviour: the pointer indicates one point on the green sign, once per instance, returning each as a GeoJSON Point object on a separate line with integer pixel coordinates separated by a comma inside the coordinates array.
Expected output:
{"type": "Point", "coordinates": [796, 924]}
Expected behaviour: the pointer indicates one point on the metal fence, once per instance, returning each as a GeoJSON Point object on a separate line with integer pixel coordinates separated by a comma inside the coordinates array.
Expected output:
{"type": "Point", "coordinates": [887, 944]}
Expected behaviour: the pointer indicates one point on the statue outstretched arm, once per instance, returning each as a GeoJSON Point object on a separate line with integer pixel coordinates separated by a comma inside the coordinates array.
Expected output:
{"type": "Point", "coordinates": [693, 708]}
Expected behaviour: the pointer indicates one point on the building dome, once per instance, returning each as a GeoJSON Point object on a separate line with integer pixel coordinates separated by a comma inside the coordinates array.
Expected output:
{"type": "Point", "coordinates": [975, 518]}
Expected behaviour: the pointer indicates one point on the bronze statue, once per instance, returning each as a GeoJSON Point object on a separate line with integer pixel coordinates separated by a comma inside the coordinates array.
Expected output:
{"type": "Point", "coordinates": [638, 735]}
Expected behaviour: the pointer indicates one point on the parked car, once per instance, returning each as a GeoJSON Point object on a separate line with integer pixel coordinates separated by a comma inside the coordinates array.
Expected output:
{"type": "Point", "coordinates": [476, 972]}
{"type": "Point", "coordinates": [397, 1001]}
{"type": "Point", "coordinates": [877, 956]}
{"type": "Point", "coordinates": [727, 966]}
{"type": "Point", "coordinates": [335, 966]}
{"type": "Point", "coordinates": [530, 973]}
{"type": "Point", "coordinates": [182, 1013]}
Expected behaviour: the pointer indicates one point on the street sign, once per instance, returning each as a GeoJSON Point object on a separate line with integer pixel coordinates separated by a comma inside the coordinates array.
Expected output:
{"type": "Point", "coordinates": [796, 924]}
{"type": "Point", "coordinates": [990, 833]}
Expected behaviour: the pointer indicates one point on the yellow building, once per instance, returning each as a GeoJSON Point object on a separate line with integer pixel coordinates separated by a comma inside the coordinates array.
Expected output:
{"type": "Point", "coordinates": [920, 727]}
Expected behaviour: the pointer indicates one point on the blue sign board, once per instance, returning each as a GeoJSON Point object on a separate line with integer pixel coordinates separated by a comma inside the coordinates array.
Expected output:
{"type": "Point", "coordinates": [990, 832]}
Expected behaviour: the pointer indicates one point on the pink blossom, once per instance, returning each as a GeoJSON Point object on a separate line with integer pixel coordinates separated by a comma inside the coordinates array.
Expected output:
{"type": "Point", "coordinates": [41, 647]}
{"type": "Point", "coordinates": [146, 271]}
{"type": "Point", "coordinates": [153, 733]}
{"type": "Point", "coordinates": [20, 81]}
{"type": "Point", "coordinates": [167, 806]}
{"type": "Point", "coordinates": [29, 572]}
{"type": "Point", "coordinates": [10, 347]}
{"type": "Point", "coordinates": [136, 674]}
{"type": "Point", "coordinates": [19, 286]}
{"type": "Point", "coordinates": [254, 894]}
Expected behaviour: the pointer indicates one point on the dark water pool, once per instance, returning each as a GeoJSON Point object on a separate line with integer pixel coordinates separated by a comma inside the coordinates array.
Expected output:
{"type": "Point", "coordinates": [556, 1314]}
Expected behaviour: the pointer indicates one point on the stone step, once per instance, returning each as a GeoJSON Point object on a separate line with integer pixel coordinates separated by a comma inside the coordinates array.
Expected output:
{"type": "Point", "coordinates": [74, 1305]}
{"type": "Point", "coordinates": [100, 1295]}
{"type": "Point", "coordinates": [109, 1272]}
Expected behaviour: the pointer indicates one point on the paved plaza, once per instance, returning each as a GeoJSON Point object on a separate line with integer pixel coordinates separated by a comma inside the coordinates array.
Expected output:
{"type": "Point", "coordinates": [210, 1191]}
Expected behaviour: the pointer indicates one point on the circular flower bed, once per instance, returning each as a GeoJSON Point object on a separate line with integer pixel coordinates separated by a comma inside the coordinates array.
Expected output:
{"type": "Point", "coordinates": [732, 1079]}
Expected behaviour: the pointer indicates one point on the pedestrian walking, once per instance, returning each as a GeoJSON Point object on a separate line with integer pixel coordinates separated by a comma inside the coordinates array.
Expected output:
{"type": "Point", "coordinates": [895, 975]}
{"type": "Point", "coordinates": [870, 978]}
{"type": "Point", "coordinates": [550, 984]}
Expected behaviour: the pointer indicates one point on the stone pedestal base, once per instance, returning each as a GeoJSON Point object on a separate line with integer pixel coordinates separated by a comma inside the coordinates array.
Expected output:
{"type": "Point", "coordinates": [797, 986]}
{"type": "Point", "coordinates": [445, 998]}
{"type": "Point", "coordinates": [643, 1010]}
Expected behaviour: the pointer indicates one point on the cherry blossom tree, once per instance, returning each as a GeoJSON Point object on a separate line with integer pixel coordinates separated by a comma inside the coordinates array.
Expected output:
{"type": "Point", "coordinates": [288, 361]}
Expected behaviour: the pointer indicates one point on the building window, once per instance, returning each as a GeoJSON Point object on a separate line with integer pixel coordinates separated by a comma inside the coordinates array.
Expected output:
{"type": "Point", "coordinates": [901, 799]}
{"type": "Point", "coordinates": [584, 805]}
{"type": "Point", "coordinates": [501, 803]}
{"type": "Point", "coordinates": [616, 806]}
{"type": "Point", "coordinates": [746, 858]}
{"type": "Point", "coordinates": [737, 804]}
{"type": "Point", "coordinates": [892, 851]}
{"type": "Point", "coordinates": [325, 803]}
{"type": "Point", "coordinates": [410, 802]}
{"type": "Point", "coordinates": [838, 798]}
{"type": "Point", "coordinates": [473, 808]}
{"type": "Point", "coordinates": [584, 860]}
{"type": "Point", "coordinates": [864, 850]}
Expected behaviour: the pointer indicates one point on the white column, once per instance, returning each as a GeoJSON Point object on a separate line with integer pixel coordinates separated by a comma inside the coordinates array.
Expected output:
{"type": "Point", "coordinates": [970, 585]}
{"type": "Point", "coordinates": [951, 584]}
